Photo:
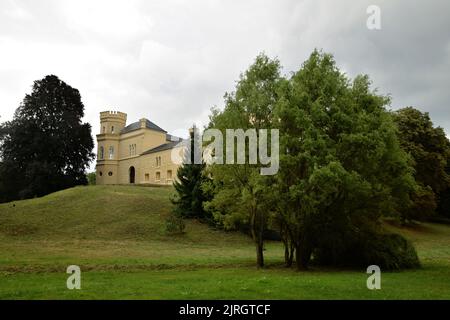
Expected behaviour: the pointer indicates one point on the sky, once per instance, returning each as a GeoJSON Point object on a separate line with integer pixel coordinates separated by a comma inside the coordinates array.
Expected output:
{"type": "Point", "coordinates": [170, 61]}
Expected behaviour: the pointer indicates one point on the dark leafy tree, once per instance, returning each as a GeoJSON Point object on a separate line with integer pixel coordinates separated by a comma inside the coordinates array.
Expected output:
{"type": "Point", "coordinates": [46, 147]}
{"type": "Point", "coordinates": [430, 151]}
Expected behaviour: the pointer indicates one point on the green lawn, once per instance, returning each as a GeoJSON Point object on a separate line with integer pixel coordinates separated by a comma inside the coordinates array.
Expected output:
{"type": "Point", "coordinates": [116, 235]}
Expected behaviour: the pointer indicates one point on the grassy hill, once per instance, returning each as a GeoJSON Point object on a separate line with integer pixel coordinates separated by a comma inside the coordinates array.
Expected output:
{"type": "Point", "coordinates": [99, 213]}
{"type": "Point", "coordinates": [116, 235]}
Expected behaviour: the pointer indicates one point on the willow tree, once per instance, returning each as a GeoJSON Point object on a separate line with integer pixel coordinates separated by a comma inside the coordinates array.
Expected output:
{"type": "Point", "coordinates": [341, 165]}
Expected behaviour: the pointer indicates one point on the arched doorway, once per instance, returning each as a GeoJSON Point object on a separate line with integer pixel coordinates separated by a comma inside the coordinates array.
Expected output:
{"type": "Point", "coordinates": [132, 174]}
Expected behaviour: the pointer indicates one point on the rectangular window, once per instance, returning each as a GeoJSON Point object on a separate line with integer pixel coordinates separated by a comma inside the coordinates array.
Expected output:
{"type": "Point", "coordinates": [133, 150]}
{"type": "Point", "coordinates": [158, 176]}
{"type": "Point", "coordinates": [112, 129]}
{"type": "Point", "coordinates": [111, 153]}
{"type": "Point", "coordinates": [147, 177]}
{"type": "Point", "coordinates": [169, 174]}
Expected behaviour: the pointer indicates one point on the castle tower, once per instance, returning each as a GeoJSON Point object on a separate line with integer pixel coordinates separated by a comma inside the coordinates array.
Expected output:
{"type": "Point", "coordinates": [111, 124]}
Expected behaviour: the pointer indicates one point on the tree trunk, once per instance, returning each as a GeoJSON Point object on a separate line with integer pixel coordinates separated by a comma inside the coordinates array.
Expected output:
{"type": "Point", "coordinates": [291, 254]}
{"type": "Point", "coordinates": [257, 236]}
{"type": "Point", "coordinates": [288, 253]}
{"type": "Point", "coordinates": [259, 254]}
{"type": "Point", "coordinates": [302, 257]}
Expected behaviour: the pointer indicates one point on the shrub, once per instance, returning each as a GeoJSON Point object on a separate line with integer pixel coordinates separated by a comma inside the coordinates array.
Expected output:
{"type": "Point", "coordinates": [92, 178]}
{"type": "Point", "coordinates": [174, 224]}
{"type": "Point", "coordinates": [388, 251]}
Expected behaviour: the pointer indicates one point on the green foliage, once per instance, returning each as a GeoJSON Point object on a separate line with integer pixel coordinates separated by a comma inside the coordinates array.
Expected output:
{"type": "Point", "coordinates": [356, 248]}
{"type": "Point", "coordinates": [189, 196]}
{"type": "Point", "coordinates": [241, 196]}
{"type": "Point", "coordinates": [341, 164]}
{"type": "Point", "coordinates": [443, 208]}
{"type": "Point", "coordinates": [174, 224]}
{"type": "Point", "coordinates": [430, 152]}
{"type": "Point", "coordinates": [92, 178]}
{"type": "Point", "coordinates": [45, 147]}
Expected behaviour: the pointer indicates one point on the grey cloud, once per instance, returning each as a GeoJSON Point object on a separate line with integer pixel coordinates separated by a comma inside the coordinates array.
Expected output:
{"type": "Point", "coordinates": [171, 61]}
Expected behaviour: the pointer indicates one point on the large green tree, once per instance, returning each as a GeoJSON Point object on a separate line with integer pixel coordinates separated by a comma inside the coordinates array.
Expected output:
{"type": "Point", "coordinates": [46, 147]}
{"type": "Point", "coordinates": [241, 196]}
{"type": "Point", "coordinates": [341, 165]}
{"type": "Point", "coordinates": [430, 151]}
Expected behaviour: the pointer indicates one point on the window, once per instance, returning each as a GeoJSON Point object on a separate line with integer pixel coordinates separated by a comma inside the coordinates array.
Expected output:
{"type": "Point", "coordinates": [100, 173]}
{"type": "Point", "coordinates": [147, 177]}
{"type": "Point", "coordinates": [101, 153]}
{"type": "Point", "coordinates": [112, 129]}
{"type": "Point", "coordinates": [133, 149]}
{"type": "Point", "coordinates": [110, 174]}
{"type": "Point", "coordinates": [104, 129]}
{"type": "Point", "coordinates": [111, 152]}
{"type": "Point", "coordinates": [158, 161]}
{"type": "Point", "coordinates": [169, 174]}
{"type": "Point", "coordinates": [158, 176]}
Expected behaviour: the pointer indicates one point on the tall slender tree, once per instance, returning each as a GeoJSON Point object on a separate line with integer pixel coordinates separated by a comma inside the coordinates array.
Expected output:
{"type": "Point", "coordinates": [241, 195]}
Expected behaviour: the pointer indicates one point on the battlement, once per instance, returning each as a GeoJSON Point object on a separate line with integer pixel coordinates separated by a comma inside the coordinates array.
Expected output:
{"type": "Point", "coordinates": [116, 115]}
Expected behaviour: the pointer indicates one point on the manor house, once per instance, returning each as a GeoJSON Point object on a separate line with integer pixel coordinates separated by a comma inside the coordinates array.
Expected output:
{"type": "Point", "coordinates": [138, 153]}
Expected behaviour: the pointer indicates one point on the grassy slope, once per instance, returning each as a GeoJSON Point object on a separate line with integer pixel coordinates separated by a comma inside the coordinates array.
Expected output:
{"type": "Point", "coordinates": [116, 235]}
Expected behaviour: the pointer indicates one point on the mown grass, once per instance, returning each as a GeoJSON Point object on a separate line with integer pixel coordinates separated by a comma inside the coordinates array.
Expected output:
{"type": "Point", "coordinates": [116, 235]}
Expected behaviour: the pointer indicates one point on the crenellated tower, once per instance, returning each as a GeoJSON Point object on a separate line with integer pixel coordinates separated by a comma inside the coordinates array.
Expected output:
{"type": "Point", "coordinates": [111, 124]}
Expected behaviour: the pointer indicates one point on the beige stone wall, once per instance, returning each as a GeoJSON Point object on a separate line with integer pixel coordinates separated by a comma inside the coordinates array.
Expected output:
{"type": "Point", "coordinates": [146, 169]}
{"type": "Point", "coordinates": [144, 139]}
{"type": "Point", "coordinates": [107, 172]}
{"type": "Point", "coordinates": [112, 120]}
{"type": "Point", "coordinates": [149, 168]}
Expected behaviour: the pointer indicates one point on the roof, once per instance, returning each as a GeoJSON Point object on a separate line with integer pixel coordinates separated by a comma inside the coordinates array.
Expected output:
{"type": "Point", "coordinates": [170, 137]}
{"type": "Point", "coordinates": [162, 147]}
{"type": "Point", "coordinates": [137, 126]}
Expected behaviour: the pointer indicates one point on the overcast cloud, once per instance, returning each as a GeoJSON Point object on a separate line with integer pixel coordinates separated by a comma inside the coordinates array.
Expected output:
{"type": "Point", "coordinates": [171, 61]}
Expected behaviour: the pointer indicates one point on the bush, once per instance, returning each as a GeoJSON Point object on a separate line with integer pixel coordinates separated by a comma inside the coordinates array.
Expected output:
{"type": "Point", "coordinates": [174, 224]}
{"type": "Point", "coordinates": [92, 178]}
{"type": "Point", "coordinates": [388, 251]}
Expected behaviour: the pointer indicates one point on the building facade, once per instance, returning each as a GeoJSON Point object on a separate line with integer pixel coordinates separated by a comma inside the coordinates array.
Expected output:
{"type": "Point", "coordinates": [138, 153]}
